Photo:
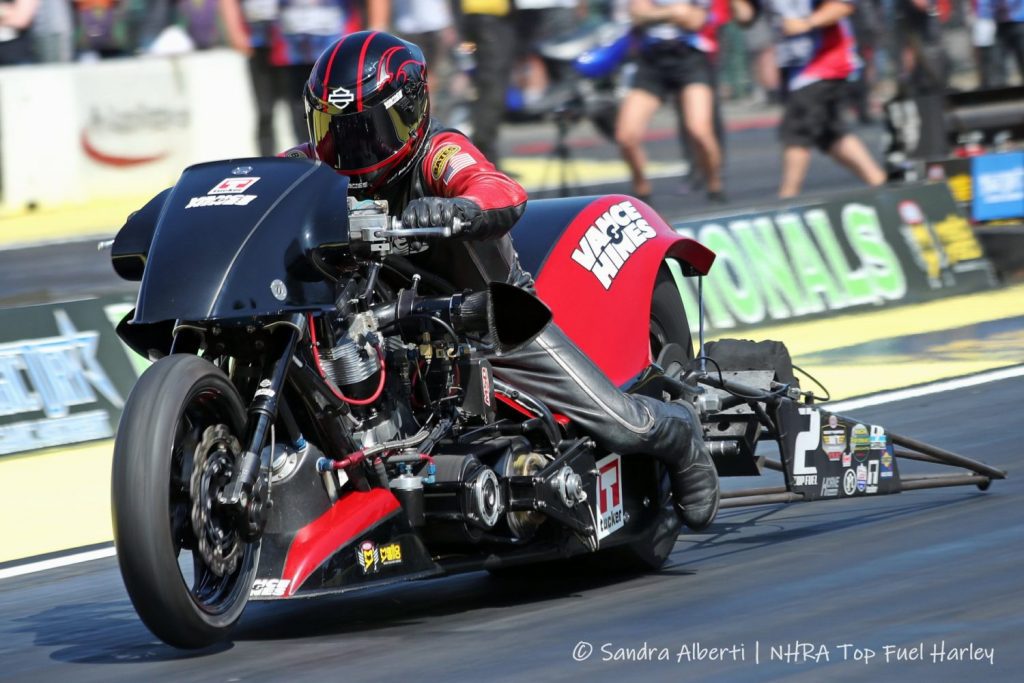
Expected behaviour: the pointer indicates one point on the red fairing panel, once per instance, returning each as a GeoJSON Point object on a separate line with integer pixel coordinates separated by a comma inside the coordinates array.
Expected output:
{"type": "Point", "coordinates": [349, 517]}
{"type": "Point", "coordinates": [599, 278]}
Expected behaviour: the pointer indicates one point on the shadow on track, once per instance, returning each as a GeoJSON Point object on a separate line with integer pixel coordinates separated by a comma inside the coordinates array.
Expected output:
{"type": "Point", "coordinates": [103, 633]}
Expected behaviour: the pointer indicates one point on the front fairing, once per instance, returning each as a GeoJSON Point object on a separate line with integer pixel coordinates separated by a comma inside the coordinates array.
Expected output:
{"type": "Point", "coordinates": [243, 238]}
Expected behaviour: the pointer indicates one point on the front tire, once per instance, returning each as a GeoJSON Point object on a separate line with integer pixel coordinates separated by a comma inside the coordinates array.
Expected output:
{"type": "Point", "coordinates": [179, 435]}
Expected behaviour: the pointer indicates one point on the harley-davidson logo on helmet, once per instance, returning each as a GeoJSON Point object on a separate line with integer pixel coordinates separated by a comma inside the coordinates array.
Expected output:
{"type": "Point", "coordinates": [341, 97]}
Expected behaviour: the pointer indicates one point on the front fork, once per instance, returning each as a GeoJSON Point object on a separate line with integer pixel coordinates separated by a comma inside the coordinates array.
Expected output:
{"type": "Point", "coordinates": [246, 494]}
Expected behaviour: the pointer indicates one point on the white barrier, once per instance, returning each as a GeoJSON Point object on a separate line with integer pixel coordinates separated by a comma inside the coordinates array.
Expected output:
{"type": "Point", "coordinates": [79, 132]}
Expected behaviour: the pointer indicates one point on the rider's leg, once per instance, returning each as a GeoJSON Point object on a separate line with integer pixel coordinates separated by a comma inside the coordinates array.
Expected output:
{"type": "Point", "coordinates": [554, 370]}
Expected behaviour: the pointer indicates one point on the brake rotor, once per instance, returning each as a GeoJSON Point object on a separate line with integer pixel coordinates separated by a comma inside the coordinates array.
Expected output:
{"type": "Point", "coordinates": [217, 540]}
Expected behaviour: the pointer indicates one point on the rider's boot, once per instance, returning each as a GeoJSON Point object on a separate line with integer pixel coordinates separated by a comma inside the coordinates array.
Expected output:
{"type": "Point", "coordinates": [693, 476]}
{"type": "Point", "coordinates": [554, 370]}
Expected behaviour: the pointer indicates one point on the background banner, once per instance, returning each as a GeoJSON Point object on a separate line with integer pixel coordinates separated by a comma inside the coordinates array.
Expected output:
{"type": "Point", "coordinates": [835, 254]}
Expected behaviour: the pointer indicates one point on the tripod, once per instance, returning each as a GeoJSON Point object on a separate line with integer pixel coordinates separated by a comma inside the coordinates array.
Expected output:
{"type": "Point", "coordinates": [565, 117]}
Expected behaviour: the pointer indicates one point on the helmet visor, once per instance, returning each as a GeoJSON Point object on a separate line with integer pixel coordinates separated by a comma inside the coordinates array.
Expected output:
{"type": "Point", "coordinates": [360, 142]}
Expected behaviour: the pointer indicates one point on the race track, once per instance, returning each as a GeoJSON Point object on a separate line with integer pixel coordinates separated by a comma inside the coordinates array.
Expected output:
{"type": "Point", "coordinates": [922, 567]}
{"type": "Point", "coordinates": [918, 569]}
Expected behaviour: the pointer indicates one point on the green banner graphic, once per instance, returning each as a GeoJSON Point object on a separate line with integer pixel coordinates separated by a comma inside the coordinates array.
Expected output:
{"type": "Point", "coordinates": [860, 250]}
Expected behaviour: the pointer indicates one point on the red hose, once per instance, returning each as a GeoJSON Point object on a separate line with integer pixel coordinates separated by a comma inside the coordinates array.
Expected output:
{"type": "Point", "coordinates": [335, 390]}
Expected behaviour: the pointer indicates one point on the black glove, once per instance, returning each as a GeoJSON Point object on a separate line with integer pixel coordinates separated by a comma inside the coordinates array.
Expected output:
{"type": "Point", "coordinates": [434, 212]}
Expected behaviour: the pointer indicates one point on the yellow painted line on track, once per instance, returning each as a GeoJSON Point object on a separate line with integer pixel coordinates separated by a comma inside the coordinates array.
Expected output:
{"type": "Point", "coordinates": [54, 500]}
{"type": "Point", "coordinates": [100, 218]}
{"type": "Point", "coordinates": [850, 376]}
{"type": "Point", "coordinates": [859, 328]}
{"type": "Point", "coordinates": [544, 174]}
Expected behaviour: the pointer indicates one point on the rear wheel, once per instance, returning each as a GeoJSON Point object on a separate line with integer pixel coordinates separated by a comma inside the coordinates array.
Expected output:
{"type": "Point", "coordinates": [669, 324]}
{"type": "Point", "coordinates": [187, 571]}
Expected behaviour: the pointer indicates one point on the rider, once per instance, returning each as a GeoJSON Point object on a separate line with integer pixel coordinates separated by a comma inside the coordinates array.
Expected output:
{"type": "Point", "coordinates": [368, 111]}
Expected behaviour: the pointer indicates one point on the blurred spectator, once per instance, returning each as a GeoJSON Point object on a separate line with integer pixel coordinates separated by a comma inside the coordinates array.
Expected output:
{"type": "Point", "coordinates": [864, 22]}
{"type": "Point", "coordinates": [54, 31]}
{"type": "Point", "coordinates": [1008, 16]}
{"type": "Point", "coordinates": [103, 28]}
{"type": "Point", "coordinates": [817, 55]}
{"type": "Point", "coordinates": [538, 21]}
{"type": "Point", "coordinates": [673, 62]}
{"type": "Point", "coordinates": [988, 57]}
{"type": "Point", "coordinates": [176, 26]}
{"type": "Point", "coordinates": [761, 49]}
{"type": "Point", "coordinates": [489, 24]}
{"type": "Point", "coordinates": [429, 24]}
{"type": "Point", "coordinates": [282, 39]}
{"type": "Point", "coordinates": [924, 65]}
{"type": "Point", "coordinates": [15, 42]}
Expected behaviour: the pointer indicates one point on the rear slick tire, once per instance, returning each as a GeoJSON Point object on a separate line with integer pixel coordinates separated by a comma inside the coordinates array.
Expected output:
{"type": "Point", "coordinates": [175, 407]}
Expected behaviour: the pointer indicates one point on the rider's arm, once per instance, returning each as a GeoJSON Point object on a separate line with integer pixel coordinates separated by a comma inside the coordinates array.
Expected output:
{"type": "Point", "coordinates": [454, 168]}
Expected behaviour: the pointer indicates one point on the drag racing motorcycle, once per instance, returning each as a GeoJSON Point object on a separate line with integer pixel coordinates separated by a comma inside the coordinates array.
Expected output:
{"type": "Point", "coordinates": [322, 417]}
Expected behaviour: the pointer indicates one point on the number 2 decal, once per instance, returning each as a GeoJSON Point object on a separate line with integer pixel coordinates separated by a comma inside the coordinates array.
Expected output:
{"type": "Point", "coordinates": [807, 441]}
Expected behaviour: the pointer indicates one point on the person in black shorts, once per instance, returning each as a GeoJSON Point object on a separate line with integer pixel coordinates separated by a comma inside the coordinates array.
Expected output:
{"type": "Point", "coordinates": [817, 58]}
{"type": "Point", "coordinates": [673, 61]}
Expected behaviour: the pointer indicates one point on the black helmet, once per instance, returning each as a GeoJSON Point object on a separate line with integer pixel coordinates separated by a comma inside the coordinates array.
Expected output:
{"type": "Point", "coordinates": [367, 108]}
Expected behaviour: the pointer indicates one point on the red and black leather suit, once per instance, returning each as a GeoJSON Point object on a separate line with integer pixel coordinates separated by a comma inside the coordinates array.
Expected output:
{"type": "Point", "coordinates": [423, 162]}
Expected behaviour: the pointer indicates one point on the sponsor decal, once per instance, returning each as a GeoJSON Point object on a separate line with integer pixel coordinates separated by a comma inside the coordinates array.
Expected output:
{"type": "Point", "coordinates": [42, 380]}
{"type": "Point", "coordinates": [368, 557]}
{"type": "Point", "coordinates": [241, 170]}
{"type": "Point", "coordinates": [390, 102]}
{"type": "Point", "coordinates": [833, 439]}
{"type": "Point", "coordinates": [805, 480]}
{"type": "Point", "coordinates": [113, 132]}
{"type": "Point", "coordinates": [830, 487]}
{"type": "Point", "coordinates": [221, 200]}
{"type": "Point", "coordinates": [441, 158]}
{"type": "Point", "coordinates": [613, 238]}
{"type": "Point", "coordinates": [457, 164]}
{"type": "Point", "coordinates": [793, 262]}
{"type": "Point", "coordinates": [886, 462]}
{"type": "Point", "coordinates": [340, 97]}
{"type": "Point", "coordinates": [610, 515]}
{"type": "Point", "coordinates": [390, 554]}
{"type": "Point", "coordinates": [860, 441]}
{"type": "Point", "coordinates": [849, 482]}
{"type": "Point", "coordinates": [998, 181]}
{"type": "Point", "coordinates": [847, 459]}
{"type": "Point", "coordinates": [862, 478]}
{"type": "Point", "coordinates": [872, 481]}
{"type": "Point", "coordinates": [269, 588]}
{"type": "Point", "coordinates": [233, 185]}
{"type": "Point", "coordinates": [485, 384]}
{"type": "Point", "coordinates": [371, 557]}
{"type": "Point", "coordinates": [877, 438]}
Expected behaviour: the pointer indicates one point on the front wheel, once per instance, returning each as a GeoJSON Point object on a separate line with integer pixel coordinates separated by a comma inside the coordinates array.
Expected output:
{"type": "Point", "coordinates": [187, 570]}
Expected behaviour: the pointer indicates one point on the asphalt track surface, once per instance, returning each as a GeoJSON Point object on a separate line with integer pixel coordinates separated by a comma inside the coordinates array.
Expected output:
{"type": "Point", "coordinates": [932, 569]}
{"type": "Point", "coordinates": [922, 567]}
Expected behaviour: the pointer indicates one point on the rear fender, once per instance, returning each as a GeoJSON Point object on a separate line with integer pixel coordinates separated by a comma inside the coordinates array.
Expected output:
{"type": "Point", "coordinates": [596, 261]}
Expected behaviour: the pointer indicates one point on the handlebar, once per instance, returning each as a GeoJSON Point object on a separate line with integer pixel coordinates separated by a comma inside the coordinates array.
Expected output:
{"type": "Point", "coordinates": [396, 230]}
